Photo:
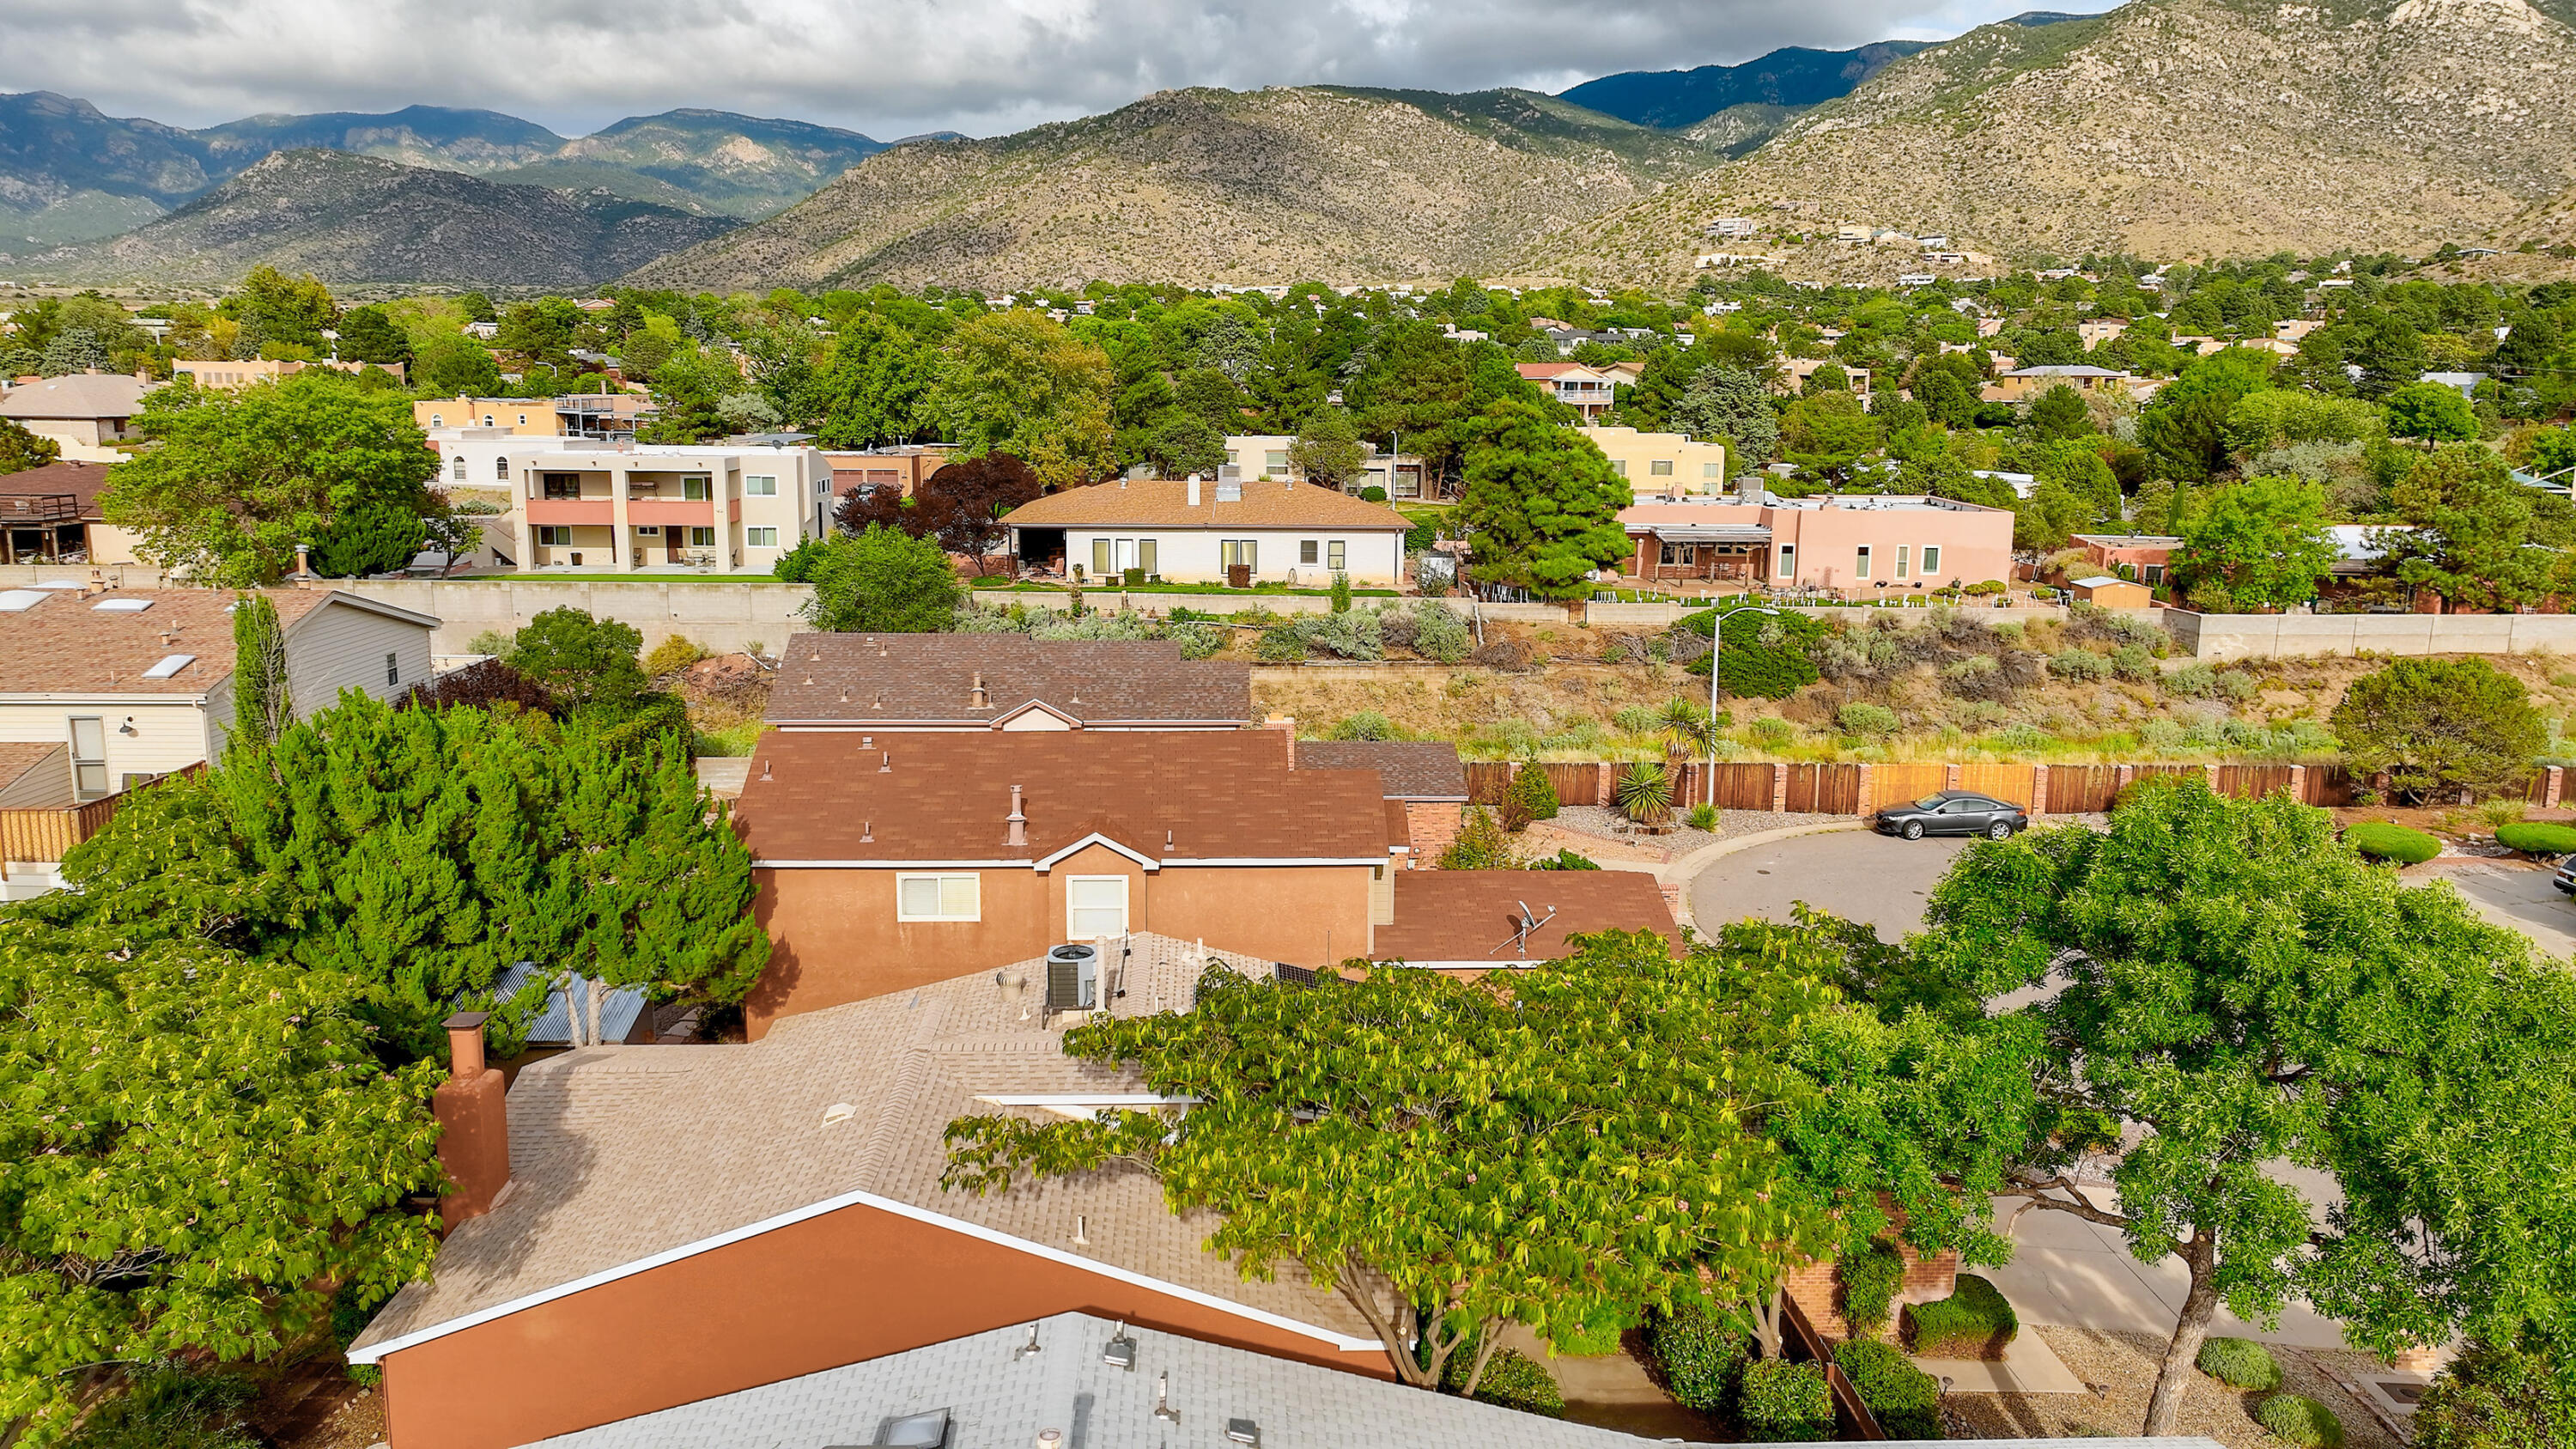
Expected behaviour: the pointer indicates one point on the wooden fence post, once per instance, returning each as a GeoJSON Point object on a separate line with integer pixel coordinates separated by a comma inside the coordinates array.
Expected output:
{"type": "Point", "coordinates": [2557, 780]}
{"type": "Point", "coordinates": [1608, 786]}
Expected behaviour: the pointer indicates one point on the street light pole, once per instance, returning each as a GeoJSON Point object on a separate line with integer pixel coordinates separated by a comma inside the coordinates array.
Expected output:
{"type": "Point", "coordinates": [1717, 641]}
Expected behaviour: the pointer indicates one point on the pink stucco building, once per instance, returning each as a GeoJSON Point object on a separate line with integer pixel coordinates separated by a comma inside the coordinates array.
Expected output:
{"type": "Point", "coordinates": [1851, 544]}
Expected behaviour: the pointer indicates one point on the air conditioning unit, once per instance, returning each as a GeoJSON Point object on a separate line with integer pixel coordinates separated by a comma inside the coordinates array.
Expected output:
{"type": "Point", "coordinates": [1073, 978]}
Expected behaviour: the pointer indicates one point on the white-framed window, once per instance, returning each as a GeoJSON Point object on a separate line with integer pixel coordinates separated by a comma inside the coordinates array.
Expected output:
{"type": "Point", "coordinates": [1309, 551]}
{"type": "Point", "coordinates": [89, 756]}
{"type": "Point", "coordinates": [938, 898]}
{"type": "Point", "coordinates": [523, 420]}
{"type": "Point", "coordinates": [458, 470]}
{"type": "Point", "coordinates": [1931, 559]}
{"type": "Point", "coordinates": [1102, 557]}
{"type": "Point", "coordinates": [1276, 460]}
{"type": "Point", "coordinates": [1619, 466]}
{"type": "Point", "coordinates": [822, 487]}
{"type": "Point", "coordinates": [2155, 573]}
{"type": "Point", "coordinates": [1904, 561]}
{"type": "Point", "coordinates": [1660, 468]}
{"type": "Point", "coordinates": [648, 530]}
{"type": "Point", "coordinates": [1788, 560]}
{"type": "Point", "coordinates": [702, 538]}
{"type": "Point", "coordinates": [760, 485]}
{"type": "Point", "coordinates": [1675, 555]}
{"type": "Point", "coordinates": [1860, 562]}
{"type": "Point", "coordinates": [1336, 555]}
{"type": "Point", "coordinates": [1708, 470]}
{"type": "Point", "coordinates": [1244, 551]}
{"type": "Point", "coordinates": [393, 670]}
{"type": "Point", "coordinates": [1149, 555]}
{"type": "Point", "coordinates": [760, 538]}
{"type": "Point", "coordinates": [553, 535]}
{"type": "Point", "coordinates": [1094, 906]}
{"type": "Point", "coordinates": [696, 490]}
{"type": "Point", "coordinates": [437, 421]}
{"type": "Point", "coordinates": [487, 420]}
{"type": "Point", "coordinates": [501, 469]}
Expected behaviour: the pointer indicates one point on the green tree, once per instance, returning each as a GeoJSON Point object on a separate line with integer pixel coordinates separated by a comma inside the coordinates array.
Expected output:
{"type": "Point", "coordinates": [21, 449]}
{"type": "Point", "coordinates": [873, 389]}
{"type": "Point", "coordinates": [2282, 417]}
{"type": "Point", "coordinates": [689, 393]}
{"type": "Point", "coordinates": [581, 662]}
{"type": "Point", "coordinates": [2185, 428]}
{"type": "Point", "coordinates": [883, 580]}
{"type": "Point", "coordinates": [1541, 504]}
{"type": "Point", "coordinates": [455, 365]}
{"type": "Point", "coordinates": [2440, 723]}
{"type": "Point", "coordinates": [2245, 988]}
{"type": "Point", "coordinates": [2432, 411]}
{"type": "Point", "coordinates": [1018, 382]}
{"type": "Point", "coordinates": [262, 705]}
{"type": "Point", "coordinates": [1328, 450]}
{"type": "Point", "coordinates": [240, 478]}
{"type": "Point", "coordinates": [540, 332]}
{"type": "Point", "coordinates": [1825, 433]}
{"type": "Point", "coordinates": [2259, 544]}
{"type": "Point", "coordinates": [2472, 525]}
{"type": "Point", "coordinates": [278, 312]}
{"type": "Point", "coordinates": [368, 334]}
{"type": "Point", "coordinates": [369, 539]}
{"type": "Point", "coordinates": [1730, 403]}
{"type": "Point", "coordinates": [1388, 1136]}
{"type": "Point", "coordinates": [1183, 443]}
{"type": "Point", "coordinates": [2060, 413]}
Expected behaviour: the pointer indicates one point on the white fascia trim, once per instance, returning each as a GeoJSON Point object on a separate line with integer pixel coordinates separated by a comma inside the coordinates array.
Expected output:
{"type": "Point", "coordinates": [1282, 860]}
{"type": "Point", "coordinates": [372, 606]}
{"type": "Point", "coordinates": [375, 1353]}
{"type": "Point", "coordinates": [759, 863]}
{"type": "Point", "coordinates": [1027, 706]}
{"type": "Point", "coordinates": [115, 701]}
{"type": "Point", "coordinates": [1042, 866]}
{"type": "Point", "coordinates": [1475, 965]}
{"type": "Point", "coordinates": [1085, 1099]}
{"type": "Point", "coordinates": [1045, 863]}
{"type": "Point", "coordinates": [854, 725]}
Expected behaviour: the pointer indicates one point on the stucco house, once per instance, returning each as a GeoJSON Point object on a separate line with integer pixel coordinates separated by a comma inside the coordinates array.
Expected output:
{"type": "Point", "coordinates": [1190, 530]}
{"type": "Point", "coordinates": [86, 414]}
{"type": "Point", "coordinates": [896, 683]}
{"type": "Point", "coordinates": [52, 514]}
{"type": "Point", "coordinates": [1851, 544]}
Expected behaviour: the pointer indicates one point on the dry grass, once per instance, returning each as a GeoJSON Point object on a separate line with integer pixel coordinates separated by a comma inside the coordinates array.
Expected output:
{"type": "Point", "coordinates": [2123, 1367]}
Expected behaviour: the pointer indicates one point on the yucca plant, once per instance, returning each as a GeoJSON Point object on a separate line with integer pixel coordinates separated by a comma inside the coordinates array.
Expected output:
{"type": "Point", "coordinates": [1646, 794]}
{"type": "Point", "coordinates": [1685, 728]}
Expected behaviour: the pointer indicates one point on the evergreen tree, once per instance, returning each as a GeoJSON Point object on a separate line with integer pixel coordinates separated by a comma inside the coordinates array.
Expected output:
{"type": "Point", "coordinates": [1542, 505]}
{"type": "Point", "coordinates": [21, 449]}
{"type": "Point", "coordinates": [2060, 413]}
{"type": "Point", "coordinates": [1730, 403]}
{"type": "Point", "coordinates": [262, 708]}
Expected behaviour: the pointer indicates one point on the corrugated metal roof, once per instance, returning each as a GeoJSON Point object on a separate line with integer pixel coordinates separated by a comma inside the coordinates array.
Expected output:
{"type": "Point", "coordinates": [618, 1010]}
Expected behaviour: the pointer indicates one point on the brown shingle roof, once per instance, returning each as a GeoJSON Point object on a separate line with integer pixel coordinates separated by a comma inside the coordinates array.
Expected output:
{"type": "Point", "coordinates": [1212, 794]}
{"type": "Point", "coordinates": [83, 481]}
{"type": "Point", "coordinates": [107, 395]}
{"type": "Point", "coordinates": [1469, 916]}
{"type": "Point", "coordinates": [17, 758]}
{"type": "Point", "coordinates": [620, 1153]}
{"type": "Point", "coordinates": [1407, 769]}
{"type": "Point", "coordinates": [1165, 503]}
{"type": "Point", "coordinates": [66, 644]}
{"type": "Point", "coordinates": [917, 679]}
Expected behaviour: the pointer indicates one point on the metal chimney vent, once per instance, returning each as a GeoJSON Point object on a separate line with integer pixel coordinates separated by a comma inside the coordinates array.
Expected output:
{"type": "Point", "coordinates": [1073, 978]}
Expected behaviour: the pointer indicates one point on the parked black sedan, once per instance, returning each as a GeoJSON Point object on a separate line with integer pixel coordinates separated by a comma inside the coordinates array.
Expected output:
{"type": "Point", "coordinates": [1951, 812]}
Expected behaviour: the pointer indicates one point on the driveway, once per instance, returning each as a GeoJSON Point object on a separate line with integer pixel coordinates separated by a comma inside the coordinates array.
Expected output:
{"type": "Point", "coordinates": [2509, 893]}
{"type": "Point", "coordinates": [1859, 875]}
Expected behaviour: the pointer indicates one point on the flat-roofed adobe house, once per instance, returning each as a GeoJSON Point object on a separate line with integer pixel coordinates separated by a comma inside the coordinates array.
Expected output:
{"type": "Point", "coordinates": [898, 683]}
{"type": "Point", "coordinates": [1188, 530]}
{"type": "Point", "coordinates": [1859, 546]}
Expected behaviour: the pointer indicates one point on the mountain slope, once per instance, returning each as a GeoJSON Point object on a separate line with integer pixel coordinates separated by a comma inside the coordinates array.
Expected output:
{"type": "Point", "coordinates": [1205, 186]}
{"type": "Point", "coordinates": [739, 165]}
{"type": "Point", "coordinates": [2168, 128]}
{"type": "Point", "coordinates": [66, 168]}
{"type": "Point", "coordinates": [1795, 76]}
{"type": "Point", "coordinates": [354, 220]}
{"type": "Point", "coordinates": [435, 136]}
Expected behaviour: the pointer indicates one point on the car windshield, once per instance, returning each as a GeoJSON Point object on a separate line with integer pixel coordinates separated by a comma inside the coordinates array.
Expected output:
{"type": "Point", "coordinates": [1928, 802]}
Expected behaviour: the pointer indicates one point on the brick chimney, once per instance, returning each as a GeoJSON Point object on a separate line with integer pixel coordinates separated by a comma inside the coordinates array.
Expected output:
{"type": "Point", "coordinates": [1017, 820]}
{"type": "Point", "coordinates": [473, 1111]}
{"type": "Point", "coordinates": [1286, 724]}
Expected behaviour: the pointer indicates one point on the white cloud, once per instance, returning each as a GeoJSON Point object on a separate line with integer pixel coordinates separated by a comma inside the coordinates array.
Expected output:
{"type": "Point", "coordinates": [889, 67]}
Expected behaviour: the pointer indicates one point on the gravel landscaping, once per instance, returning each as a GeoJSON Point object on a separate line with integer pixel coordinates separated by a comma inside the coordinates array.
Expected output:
{"type": "Point", "coordinates": [2121, 1369]}
{"type": "Point", "coordinates": [1604, 823]}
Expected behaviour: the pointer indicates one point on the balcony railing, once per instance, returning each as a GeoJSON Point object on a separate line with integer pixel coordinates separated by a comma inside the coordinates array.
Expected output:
{"type": "Point", "coordinates": [46, 835]}
{"type": "Point", "coordinates": [40, 508]}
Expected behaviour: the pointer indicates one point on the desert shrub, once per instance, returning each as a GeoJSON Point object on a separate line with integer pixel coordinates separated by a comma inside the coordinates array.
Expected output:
{"type": "Point", "coordinates": [671, 656]}
{"type": "Point", "coordinates": [2134, 662]}
{"type": "Point", "coordinates": [1973, 1322]}
{"type": "Point", "coordinates": [1511, 656]}
{"type": "Point", "coordinates": [1870, 1279]}
{"type": "Point", "coordinates": [2240, 1363]}
{"type": "Point", "coordinates": [1367, 724]}
{"type": "Point", "coordinates": [1511, 1379]}
{"type": "Point", "coordinates": [1983, 588]}
{"type": "Point", "coordinates": [1636, 719]}
{"type": "Point", "coordinates": [1438, 633]}
{"type": "Point", "coordinates": [1979, 676]}
{"type": "Point", "coordinates": [1395, 628]}
{"type": "Point", "coordinates": [1645, 792]}
{"type": "Point", "coordinates": [2021, 739]}
{"type": "Point", "coordinates": [1905, 1399]}
{"type": "Point", "coordinates": [1532, 796]}
{"type": "Point", "coordinates": [2193, 681]}
{"type": "Point", "coordinates": [2382, 841]}
{"type": "Point", "coordinates": [1478, 845]}
{"type": "Point", "coordinates": [2082, 665]}
{"type": "Point", "coordinates": [1874, 721]}
{"type": "Point", "coordinates": [1702, 817]}
{"type": "Point", "coordinates": [1702, 1356]}
{"type": "Point", "coordinates": [2534, 837]}
{"type": "Point", "coordinates": [2497, 1398]}
{"type": "Point", "coordinates": [1564, 859]}
{"type": "Point", "coordinates": [1280, 644]}
{"type": "Point", "coordinates": [2237, 685]}
{"type": "Point", "coordinates": [1772, 732]}
{"type": "Point", "coordinates": [1197, 641]}
{"type": "Point", "coordinates": [1345, 635]}
{"type": "Point", "coordinates": [1785, 1402]}
{"type": "Point", "coordinates": [2298, 1419]}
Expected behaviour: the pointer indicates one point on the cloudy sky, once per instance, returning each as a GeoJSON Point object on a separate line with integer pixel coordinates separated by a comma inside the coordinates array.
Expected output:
{"type": "Point", "coordinates": [887, 67]}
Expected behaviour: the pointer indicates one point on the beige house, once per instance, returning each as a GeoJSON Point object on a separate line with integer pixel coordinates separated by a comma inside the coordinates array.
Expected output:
{"type": "Point", "coordinates": [1794, 372]}
{"type": "Point", "coordinates": [229, 373]}
{"type": "Point", "coordinates": [2024, 384]}
{"type": "Point", "coordinates": [86, 414]}
{"type": "Point", "coordinates": [1660, 464]}
{"type": "Point", "coordinates": [1193, 531]}
{"type": "Point", "coordinates": [619, 507]}
{"type": "Point", "coordinates": [598, 417]}
{"type": "Point", "coordinates": [1265, 458]}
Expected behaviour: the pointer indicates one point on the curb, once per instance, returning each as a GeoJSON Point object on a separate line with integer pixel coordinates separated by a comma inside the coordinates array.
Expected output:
{"type": "Point", "coordinates": [1680, 873]}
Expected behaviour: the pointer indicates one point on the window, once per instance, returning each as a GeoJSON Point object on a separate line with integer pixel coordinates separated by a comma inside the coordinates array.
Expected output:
{"type": "Point", "coordinates": [2155, 573]}
{"type": "Point", "coordinates": [1094, 906]}
{"type": "Point", "coordinates": [696, 490]}
{"type": "Point", "coordinates": [1242, 551]}
{"type": "Point", "coordinates": [1860, 562]}
{"type": "Point", "coordinates": [1275, 461]}
{"type": "Point", "coordinates": [760, 537]}
{"type": "Point", "coordinates": [1788, 560]}
{"type": "Point", "coordinates": [822, 487]}
{"type": "Point", "coordinates": [702, 538]}
{"type": "Point", "coordinates": [458, 470]}
{"type": "Point", "coordinates": [487, 420]}
{"type": "Point", "coordinates": [1660, 468]}
{"type": "Point", "coordinates": [1101, 558]}
{"type": "Point", "coordinates": [89, 757]}
{"type": "Point", "coordinates": [1931, 559]}
{"type": "Point", "coordinates": [501, 468]}
{"type": "Point", "coordinates": [393, 671]}
{"type": "Point", "coordinates": [1148, 556]}
{"type": "Point", "coordinates": [523, 420]}
{"type": "Point", "coordinates": [1619, 466]}
{"type": "Point", "coordinates": [1678, 553]}
{"type": "Point", "coordinates": [1336, 555]}
{"type": "Point", "coordinates": [553, 536]}
{"type": "Point", "coordinates": [436, 421]}
{"type": "Point", "coordinates": [760, 485]}
{"type": "Point", "coordinates": [1904, 561]}
{"type": "Point", "coordinates": [1308, 551]}
{"type": "Point", "coordinates": [1708, 470]}
{"type": "Point", "coordinates": [648, 530]}
{"type": "Point", "coordinates": [938, 898]}
{"type": "Point", "coordinates": [563, 485]}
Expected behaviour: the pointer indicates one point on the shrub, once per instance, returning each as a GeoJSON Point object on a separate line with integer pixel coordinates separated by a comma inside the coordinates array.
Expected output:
{"type": "Point", "coordinates": [1905, 1399]}
{"type": "Point", "coordinates": [2082, 665]}
{"type": "Point", "coordinates": [1785, 1402]}
{"type": "Point", "coordinates": [2240, 1363]}
{"type": "Point", "coordinates": [1280, 644]}
{"type": "Point", "coordinates": [493, 642]}
{"type": "Point", "coordinates": [1478, 845]}
{"type": "Point", "coordinates": [2382, 841]}
{"type": "Point", "coordinates": [2534, 837]}
{"type": "Point", "coordinates": [2298, 1419]}
{"type": "Point", "coordinates": [1368, 724]}
{"type": "Point", "coordinates": [1344, 635]}
{"type": "Point", "coordinates": [1341, 592]}
{"type": "Point", "coordinates": [1564, 860]}
{"type": "Point", "coordinates": [1702, 1356]}
{"type": "Point", "coordinates": [1438, 633]}
{"type": "Point", "coordinates": [2497, 1398]}
{"type": "Point", "coordinates": [1874, 721]}
{"type": "Point", "coordinates": [1532, 796]}
{"type": "Point", "coordinates": [1703, 817]}
{"type": "Point", "coordinates": [2193, 681]}
{"type": "Point", "coordinates": [167, 1405]}
{"type": "Point", "coordinates": [1511, 1379]}
{"type": "Point", "coordinates": [1870, 1279]}
{"type": "Point", "coordinates": [1973, 1322]}
{"type": "Point", "coordinates": [1374, 494]}
{"type": "Point", "coordinates": [1983, 588]}
{"type": "Point", "coordinates": [1772, 732]}
{"type": "Point", "coordinates": [1764, 654]}
{"type": "Point", "coordinates": [2134, 662]}
{"type": "Point", "coordinates": [1645, 792]}
{"type": "Point", "coordinates": [671, 656]}
{"type": "Point", "coordinates": [1636, 719]}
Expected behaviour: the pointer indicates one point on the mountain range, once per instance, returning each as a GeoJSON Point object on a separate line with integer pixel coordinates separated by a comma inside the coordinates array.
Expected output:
{"type": "Point", "coordinates": [71, 173]}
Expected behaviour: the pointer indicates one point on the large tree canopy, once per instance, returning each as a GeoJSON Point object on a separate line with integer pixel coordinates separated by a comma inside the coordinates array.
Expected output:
{"type": "Point", "coordinates": [1541, 503]}
{"type": "Point", "coordinates": [1019, 383]}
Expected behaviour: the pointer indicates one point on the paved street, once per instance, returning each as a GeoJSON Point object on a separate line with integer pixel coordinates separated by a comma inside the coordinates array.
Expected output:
{"type": "Point", "coordinates": [2514, 894]}
{"type": "Point", "coordinates": [1856, 874]}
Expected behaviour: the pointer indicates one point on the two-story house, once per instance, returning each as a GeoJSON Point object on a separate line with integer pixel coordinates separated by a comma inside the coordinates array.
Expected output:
{"type": "Point", "coordinates": [612, 507]}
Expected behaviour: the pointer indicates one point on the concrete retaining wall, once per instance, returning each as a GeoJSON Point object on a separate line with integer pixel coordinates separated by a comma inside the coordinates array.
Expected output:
{"type": "Point", "coordinates": [718, 616]}
{"type": "Point", "coordinates": [2244, 636]}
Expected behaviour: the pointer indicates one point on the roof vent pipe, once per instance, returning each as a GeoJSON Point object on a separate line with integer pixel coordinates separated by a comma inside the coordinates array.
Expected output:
{"type": "Point", "coordinates": [981, 698]}
{"type": "Point", "coordinates": [1194, 490]}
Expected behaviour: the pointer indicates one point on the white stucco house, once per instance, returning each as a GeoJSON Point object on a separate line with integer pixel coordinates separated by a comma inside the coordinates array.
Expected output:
{"type": "Point", "coordinates": [1189, 530]}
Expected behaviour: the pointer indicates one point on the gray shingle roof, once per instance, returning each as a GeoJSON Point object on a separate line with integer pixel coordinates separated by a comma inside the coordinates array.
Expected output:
{"type": "Point", "coordinates": [908, 680]}
{"type": "Point", "coordinates": [81, 395]}
{"type": "Point", "coordinates": [1408, 769]}
{"type": "Point", "coordinates": [619, 1153]}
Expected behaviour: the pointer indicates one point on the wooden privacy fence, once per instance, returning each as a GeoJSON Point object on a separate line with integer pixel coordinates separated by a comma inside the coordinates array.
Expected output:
{"type": "Point", "coordinates": [1858, 789]}
{"type": "Point", "coordinates": [47, 835]}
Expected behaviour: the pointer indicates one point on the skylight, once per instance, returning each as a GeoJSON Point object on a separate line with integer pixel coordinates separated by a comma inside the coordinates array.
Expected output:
{"type": "Point", "coordinates": [18, 601]}
{"type": "Point", "coordinates": [122, 606]}
{"type": "Point", "coordinates": [170, 664]}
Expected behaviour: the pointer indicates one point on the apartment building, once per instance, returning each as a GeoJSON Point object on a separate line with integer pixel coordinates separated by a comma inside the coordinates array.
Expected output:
{"type": "Point", "coordinates": [619, 507]}
{"type": "Point", "coordinates": [1264, 458]}
{"type": "Point", "coordinates": [1656, 464]}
